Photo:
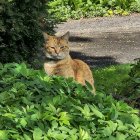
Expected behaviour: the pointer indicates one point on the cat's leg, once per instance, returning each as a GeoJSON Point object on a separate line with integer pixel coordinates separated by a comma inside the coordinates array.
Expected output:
{"type": "Point", "coordinates": [80, 77]}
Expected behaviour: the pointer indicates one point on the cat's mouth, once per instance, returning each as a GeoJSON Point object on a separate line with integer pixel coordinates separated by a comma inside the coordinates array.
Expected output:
{"type": "Point", "coordinates": [54, 57]}
{"type": "Point", "coordinates": [58, 57]}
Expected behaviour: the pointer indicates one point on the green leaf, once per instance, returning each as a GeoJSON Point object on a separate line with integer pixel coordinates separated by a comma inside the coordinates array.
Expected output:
{"type": "Point", "coordinates": [110, 128]}
{"type": "Point", "coordinates": [45, 138]}
{"type": "Point", "coordinates": [54, 124]}
{"type": "Point", "coordinates": [83, 135]}
{"type": "Point", "coordinates": [96, 112]}
{"type": "Point", "coordinates": [9, 115]}
{"type": "Point", "coordinates": [114, 112]}
{"type": "Point", "coordinates": [34, 117]}
{"type": "Point", "coordinates": [86, 111]}
{"type": "Point", "coordinates": [121, 126]}
{"type": "Point", "coordinates": [3, 135]}
{"type": "Point", "coordinates": [121, 136]}
{"type": "Point", "coordinates": [106, 131]}
{"type": "Point", "coordinates": [64, 118]}
{"type": "Point", "coordinates": [89, 86]}
{"type": "Point", "coordinates": [26, 137]}
{"type": "Point", "coordinates": [137, 80]}
{"type": "Point", "coordinates": [52, 108]}
{"type": "Point", "coordinates": [22, 69]}
{"type": "Point", "coordinates": [23, 122]}
{"type": "Point", "coordinates": [37, 134]}
{"type": "Point", "coordinates": [112, 125]}
{"type": "Point", "coordinates": [57, 135]}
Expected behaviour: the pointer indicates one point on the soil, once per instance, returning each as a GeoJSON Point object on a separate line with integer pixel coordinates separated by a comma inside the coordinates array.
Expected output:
{"type": "Point", "coordinates": [104, 41]}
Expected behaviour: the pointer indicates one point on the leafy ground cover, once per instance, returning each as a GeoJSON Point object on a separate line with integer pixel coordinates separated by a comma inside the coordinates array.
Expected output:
{"type": "Point", "coordinates": [113, 75]}
{"type": "Point", "coordinates": [124, 81]}
{"type": "Point", "coordinates": [132, 89]}
{"type": "Point", "coordinates": [36, 106]}
{"type": "Point", "coordinates": [63, 10]}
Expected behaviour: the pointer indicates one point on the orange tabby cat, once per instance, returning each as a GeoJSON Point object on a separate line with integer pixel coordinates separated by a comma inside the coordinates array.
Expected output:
{"type": "Point", "coordinates": [59, 62]}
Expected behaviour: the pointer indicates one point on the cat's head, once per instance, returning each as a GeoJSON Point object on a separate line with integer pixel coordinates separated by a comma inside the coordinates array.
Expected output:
{"type": "Point", "coordinates": [56, 48]}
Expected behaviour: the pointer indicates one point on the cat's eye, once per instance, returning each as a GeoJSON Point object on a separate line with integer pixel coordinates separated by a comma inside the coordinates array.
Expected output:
{"type": "Point", "coordinates": [52, 47]}
{"type": "Point", "coordinates": [62, 47]}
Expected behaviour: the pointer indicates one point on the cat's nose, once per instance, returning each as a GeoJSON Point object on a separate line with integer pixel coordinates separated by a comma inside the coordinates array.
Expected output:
{"type": "Point", "coordinates": [57, 52]}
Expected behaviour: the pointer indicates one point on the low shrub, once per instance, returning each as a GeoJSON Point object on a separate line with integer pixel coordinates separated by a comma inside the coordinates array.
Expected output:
{"type": "Point", "coordinates": [113, 75]}
{"type": "Point", "coordinates": [63, 10]}
{"type": "Point", "coordinates": [20, 29]}
{"type": "Point", "coordinates": [131, 89]}
{"type": "Point", "coordinates": [36, 106]}
{"type": "Point", "coordinates": [135, 6]}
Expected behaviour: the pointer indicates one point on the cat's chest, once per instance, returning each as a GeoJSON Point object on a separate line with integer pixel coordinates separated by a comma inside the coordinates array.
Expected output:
{"type": "Point", "coordinates": [61, 68]}
{"type": "Point", "coordinates": [50, 67]}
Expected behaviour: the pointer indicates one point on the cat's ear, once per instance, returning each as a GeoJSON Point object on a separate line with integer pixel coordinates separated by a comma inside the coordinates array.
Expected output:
{"type": "Point", "coordinates": [46, 36]}
{"type": "Point", "coordinates": [66, 36]}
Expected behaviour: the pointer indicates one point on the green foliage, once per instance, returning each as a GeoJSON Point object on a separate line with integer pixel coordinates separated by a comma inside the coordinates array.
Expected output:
{"type": "Point", "coordinates": [132, 85]}
{"type": "Point", "coordinates": [113, 75]}
{"type": "Point", "coordinates": [20, 30]}
{"type": "Point", "coordinates": [135, 6]}
{"type": "Point", "coordinates": [36, 106]}
{"type": "Point", "coordinates": [63, 10]}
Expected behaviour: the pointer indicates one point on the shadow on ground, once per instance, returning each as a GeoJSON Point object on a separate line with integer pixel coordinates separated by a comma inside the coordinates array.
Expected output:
{"type": "Point", "coordinates": [108, 36]}
{"type": "Point", "coordinates": [94, 61]}
{"type": "Point", "coordinates": [80, 39]}
{"type": "Point", "coordinates": [105, 49]}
